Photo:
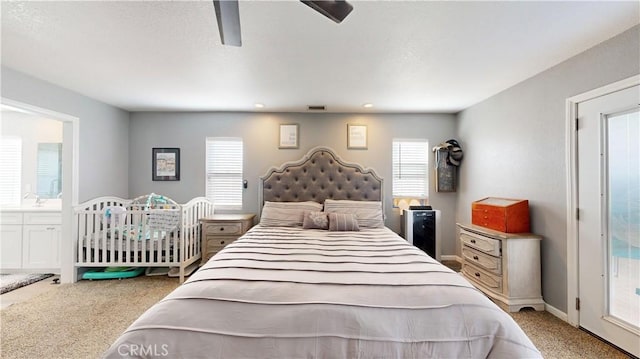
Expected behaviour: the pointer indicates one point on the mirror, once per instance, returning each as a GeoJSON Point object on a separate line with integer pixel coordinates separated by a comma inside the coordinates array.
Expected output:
{"type": "Point", "coordinates": [49, 170]}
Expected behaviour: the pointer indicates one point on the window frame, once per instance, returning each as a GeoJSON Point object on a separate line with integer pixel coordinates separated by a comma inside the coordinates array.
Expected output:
{"type": "Point", "coordinates": [238, 197]}
{"type": "Point", "coordinates": [422, 195]}
{"type": "Point", "coordinates": [11, 184]}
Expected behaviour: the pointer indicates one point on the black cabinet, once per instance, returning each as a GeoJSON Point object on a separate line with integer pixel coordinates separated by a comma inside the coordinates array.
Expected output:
{"type": "Point", "coordinates": [421, 228]}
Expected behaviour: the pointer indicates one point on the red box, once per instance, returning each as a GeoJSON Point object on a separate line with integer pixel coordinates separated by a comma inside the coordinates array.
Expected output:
{"type": "Point", "coordinates": [501, 214]}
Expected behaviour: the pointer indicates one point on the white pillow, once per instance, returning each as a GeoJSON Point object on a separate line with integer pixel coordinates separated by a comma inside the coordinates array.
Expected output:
{"type": "Point", "coordinates": [369, 213]}
{"type": "Point", "coordinates": [286, 214]}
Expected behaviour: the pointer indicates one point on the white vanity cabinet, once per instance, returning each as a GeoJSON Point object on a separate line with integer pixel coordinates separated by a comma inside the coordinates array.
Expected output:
{"type": "Point", "coordinates": [30, 240]}
{"type": "Point", "coordinates": [10, 240]}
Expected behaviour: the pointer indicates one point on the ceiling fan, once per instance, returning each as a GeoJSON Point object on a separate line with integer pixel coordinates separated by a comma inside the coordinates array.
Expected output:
{"type": "Point", "coordinates": [228, 16]}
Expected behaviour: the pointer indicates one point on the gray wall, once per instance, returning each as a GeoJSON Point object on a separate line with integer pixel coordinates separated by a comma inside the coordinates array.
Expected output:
{"type": "Point", "coordinates": [514, 146]}
{"type": "Point", "coordinates": [104, 138]}
{"type": "Point", "coordinates": [260, 134]}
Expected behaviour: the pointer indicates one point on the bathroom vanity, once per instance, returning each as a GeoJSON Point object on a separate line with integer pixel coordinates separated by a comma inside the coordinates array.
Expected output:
{"type": "Point", "coordinates": [30, 238]}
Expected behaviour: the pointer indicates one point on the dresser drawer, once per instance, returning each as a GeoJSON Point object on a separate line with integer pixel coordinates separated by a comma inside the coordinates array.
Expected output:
{"type": "Point", "coordinates": [491, 281]}
{"type": "Point", "coordinates": [10, 218]}
{"type": "Point", "coordinates": [482, 260]}
{"type": "Point", "coordinates": [43, 218]}
{"type": "Point", "coordinates": [481, 243]}
{"type": "Point", "coordinates": [217, 229]}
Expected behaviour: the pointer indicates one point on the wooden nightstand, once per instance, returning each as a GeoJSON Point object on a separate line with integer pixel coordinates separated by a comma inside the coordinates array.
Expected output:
{"type": "Point", "coordinates": [221, 229]}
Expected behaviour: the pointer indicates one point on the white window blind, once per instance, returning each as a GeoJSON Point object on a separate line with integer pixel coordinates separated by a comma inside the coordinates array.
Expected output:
{"type": "Point", "coordinates": [224, 172]}
{"type": "Point", "coordinates": [10, 170]}
{"type": "Point", "coordinates": [410, 168]}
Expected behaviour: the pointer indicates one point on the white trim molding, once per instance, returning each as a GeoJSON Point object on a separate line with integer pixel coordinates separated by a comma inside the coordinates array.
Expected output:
{"type": "Point", "coordinates": [70, 186]}
{"type": "Point", "coordinates": [556, 312]}
{"type": "Point", "coordinates": [573, 290]}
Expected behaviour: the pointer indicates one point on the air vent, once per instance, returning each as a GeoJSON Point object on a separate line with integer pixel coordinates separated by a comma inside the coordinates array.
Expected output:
{"type": "Point", "coordinates": [316, 108]}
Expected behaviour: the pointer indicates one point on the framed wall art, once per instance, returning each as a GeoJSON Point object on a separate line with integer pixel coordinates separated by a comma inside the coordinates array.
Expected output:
{"type": "Point", "coordinates": [165, 164]}
{"type": "Point", "coordinates": [357, 137]}
{"type": "Point", "coordinates": [289, 136]}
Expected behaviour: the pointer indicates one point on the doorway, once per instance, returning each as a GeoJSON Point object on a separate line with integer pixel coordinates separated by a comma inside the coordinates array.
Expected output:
{"type": "Point", "coordinates": [69, 197]}
{"type": "Point", "coordinates": [607, 215]}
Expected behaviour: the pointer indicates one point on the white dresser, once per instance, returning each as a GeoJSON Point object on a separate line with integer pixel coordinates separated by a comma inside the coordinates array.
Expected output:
{"type": "Point", "coordinates": [505, 266]}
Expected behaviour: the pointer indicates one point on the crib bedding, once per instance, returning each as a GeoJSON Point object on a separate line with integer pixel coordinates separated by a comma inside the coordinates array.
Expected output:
{"type": "Point", "coordinates": [291, 293]}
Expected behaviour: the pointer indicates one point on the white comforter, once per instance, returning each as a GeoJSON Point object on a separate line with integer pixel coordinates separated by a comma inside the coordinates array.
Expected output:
{"type": "Point", "coordinates": [294, 293]}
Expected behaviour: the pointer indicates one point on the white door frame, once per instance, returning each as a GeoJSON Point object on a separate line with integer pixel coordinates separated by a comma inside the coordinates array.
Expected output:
{"type": "Point", "coordinates": [70, 162]}
{"type": "Point", "coordinates": [573, 290]}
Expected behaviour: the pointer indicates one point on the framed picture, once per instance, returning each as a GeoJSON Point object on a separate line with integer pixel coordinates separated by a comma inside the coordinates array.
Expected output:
{"type": "Point", "coordinates": [165, 164]}
{"type": "Point", "coordinates": [357, 137]}
{"type": "Point", "coordinates": [289, 136]}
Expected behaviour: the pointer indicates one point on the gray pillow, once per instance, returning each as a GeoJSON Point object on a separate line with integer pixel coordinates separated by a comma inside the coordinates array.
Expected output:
{"type": "Point", "coordinates": [368, 213]}
{"type": "Point", "coordinates": [315, 220]}
{"type": "Point", "coordinates": [286, 214]}
{"type": "Point", "coordinates": [343, 222]}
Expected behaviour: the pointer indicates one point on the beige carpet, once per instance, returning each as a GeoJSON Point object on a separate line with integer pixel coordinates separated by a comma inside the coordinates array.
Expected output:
{"type": "Point", "coordinates": [78, 320]}
{"type": "Point", "coordinates": [81, 320]}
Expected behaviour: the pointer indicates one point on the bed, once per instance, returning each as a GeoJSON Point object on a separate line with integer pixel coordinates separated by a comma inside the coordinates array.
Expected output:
{"type": "Point", "coordinates": [147, 231]}
{"type": "Point", "coordinates": [288, 290]}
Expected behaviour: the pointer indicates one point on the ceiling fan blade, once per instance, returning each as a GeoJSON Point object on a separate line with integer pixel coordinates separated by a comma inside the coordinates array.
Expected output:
{"type": "Point", "coordinates": [228, 17]}
{"type": "Point", "coordinates": [335, 10]}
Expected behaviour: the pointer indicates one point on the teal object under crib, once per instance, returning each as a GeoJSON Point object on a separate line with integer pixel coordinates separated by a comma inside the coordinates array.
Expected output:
{"type": "Point", "coordinates": [113, 274]}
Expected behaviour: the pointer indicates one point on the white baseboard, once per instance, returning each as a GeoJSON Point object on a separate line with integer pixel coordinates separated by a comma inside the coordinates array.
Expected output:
{"type": "Point", "coordinates": [451, 257]}
{"type": "Point", "coordinates": [556, 312]}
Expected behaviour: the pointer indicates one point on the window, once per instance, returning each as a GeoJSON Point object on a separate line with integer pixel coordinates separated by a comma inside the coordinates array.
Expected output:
{"type": "Point", "coordinates": [410, 169]}
{"type": "Point", "coordinates": [224, 172]}
{"type": "Point", "coordinates": [10, 170]}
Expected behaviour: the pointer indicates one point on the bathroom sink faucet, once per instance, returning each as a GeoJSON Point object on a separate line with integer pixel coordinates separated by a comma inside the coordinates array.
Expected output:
{"type": "Point", "coordinates": [38, 202]}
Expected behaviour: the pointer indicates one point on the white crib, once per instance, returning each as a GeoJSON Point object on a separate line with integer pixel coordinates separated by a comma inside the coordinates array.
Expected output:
{"type": "Point", "coordinates": [167, 235]}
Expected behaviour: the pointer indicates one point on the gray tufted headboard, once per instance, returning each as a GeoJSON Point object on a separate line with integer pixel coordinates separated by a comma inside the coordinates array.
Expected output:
{"type": "Point", "coordinates": [319, 175]}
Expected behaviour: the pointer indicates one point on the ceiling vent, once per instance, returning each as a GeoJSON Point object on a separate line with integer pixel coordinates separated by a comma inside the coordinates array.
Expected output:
{"type": "Point", "coordinates": [316, 107]}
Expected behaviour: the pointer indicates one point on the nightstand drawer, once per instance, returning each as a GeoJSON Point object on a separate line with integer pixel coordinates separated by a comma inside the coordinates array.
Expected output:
{"type": "Point", "coordinates": [214, 241]}
{"type": "Point", "coordinates": [215, 229]}
{"type": "Point", "coordinates": [483, 260]}
{"type": "Point", "coordinates": [490, 281]}
{"type": "Point", "coordinates": [481, 243]}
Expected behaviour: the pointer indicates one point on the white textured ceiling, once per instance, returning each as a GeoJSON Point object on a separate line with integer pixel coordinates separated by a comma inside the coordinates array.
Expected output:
{"type": "Point", "coordinates": [401, 56]}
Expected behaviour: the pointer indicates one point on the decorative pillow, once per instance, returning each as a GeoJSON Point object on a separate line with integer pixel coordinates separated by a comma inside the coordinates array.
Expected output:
{"type": "Point", "coordinates": [369, 213]}
{"type": "Point", "coordinates": [343, 222]}
{"type": "Point", "coordinates": [315, 220]}
{"type": "Point", "coordinates": [286, 214]}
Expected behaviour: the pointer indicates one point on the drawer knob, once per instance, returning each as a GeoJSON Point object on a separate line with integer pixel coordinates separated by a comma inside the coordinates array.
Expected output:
{"type": "Point", "coordinates": [221, 242]}
{"type": "Point", "coordinates": [475, 257]}
{"type": "Point", "coordinates": [473, 241]}
{"type": "Point", "coordinates": [222, 228]}
{"type": "Point", "coordinates": [477, 274]}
